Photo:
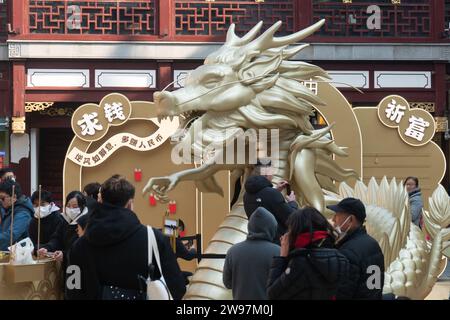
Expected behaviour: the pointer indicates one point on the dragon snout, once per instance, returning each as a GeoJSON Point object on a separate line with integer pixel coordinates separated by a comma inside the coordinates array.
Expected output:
{"type": "Point", "coordinates": [164, 101]}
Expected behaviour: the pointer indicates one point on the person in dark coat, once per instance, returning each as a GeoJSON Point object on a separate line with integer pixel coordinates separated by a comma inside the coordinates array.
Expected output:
{"type": "Point", "coordinates": [364, 253]}
{"type": "Point", "coordinates": [50, 215]}
{"type": "Point", "coordinates": [91, 191]}
{"type": "Point", "coordinates": [114, 249]}
{"type": "Point", "coordinates": [23, 211]}
{"type": "Point", "coordinates": [247, 263]}
{"type": "Point", "coordinates": [81, 224]}
{"type": "Point", "coordinates": [6, 174]}
{"type": "Point", "coordinates": [184, 251]}
{"type": "Point", "coordinates": [309, 267]}
{"type": "Point", "coordinates": [66, 234]}
{"type": "Point", "coordinates": [415, 200]}
{"type": "Point", "coordinates": [259, 192]}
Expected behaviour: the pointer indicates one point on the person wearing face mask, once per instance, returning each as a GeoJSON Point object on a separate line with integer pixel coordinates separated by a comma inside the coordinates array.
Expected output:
{"type": "Point", "coordinates": [66, 234]}
{"type": "Point", "coordinates": [363, 252]}
{"type": "Point", "coordinates": [50, 215]}
{"type": "Point", "coordinates": [23, 211]}
{"type": "Point", "coordinates": [113, 252]}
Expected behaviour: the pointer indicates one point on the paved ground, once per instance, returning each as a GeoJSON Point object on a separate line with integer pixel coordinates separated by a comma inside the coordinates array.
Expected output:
{"type": "Point", "coordinates": [441, 289]}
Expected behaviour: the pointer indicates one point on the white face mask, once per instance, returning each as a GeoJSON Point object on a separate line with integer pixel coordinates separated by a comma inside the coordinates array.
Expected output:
{"type": "Point", "coordinates": [72, 213]}
{"type": "Point", "coordinates": [342, 234]}
{"type": "Point", "coordinates": [44, 211]}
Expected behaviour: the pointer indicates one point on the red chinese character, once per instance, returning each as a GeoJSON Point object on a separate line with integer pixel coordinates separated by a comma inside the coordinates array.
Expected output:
{"type": "Point", "coordinates": [96, 158]}
{"type": "Point", "coordinates": [125, 139]}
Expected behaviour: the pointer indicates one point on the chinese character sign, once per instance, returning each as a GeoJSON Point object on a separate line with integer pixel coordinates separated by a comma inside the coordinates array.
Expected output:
{"type": "Point", "coordinates": [114, 111]}
{"type": "Point", "coordinates": [91, 122]}
{"type": "Point", "coordinates": [129, 140]}
{"type": "Point", "coordinates": [416, 127]}
{"type": "Point", "coordinates": [395, 111]}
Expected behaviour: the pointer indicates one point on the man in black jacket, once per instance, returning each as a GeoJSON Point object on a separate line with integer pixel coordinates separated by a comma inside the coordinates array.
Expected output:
{"type": "Point", "coordinates": [114, 249]}
{"type": "Point", "coordinates": [364, 253]}
{"type": "Point", "coordinates": [259, 192]}
{"type": "Point", "coordinates": [50, 215]}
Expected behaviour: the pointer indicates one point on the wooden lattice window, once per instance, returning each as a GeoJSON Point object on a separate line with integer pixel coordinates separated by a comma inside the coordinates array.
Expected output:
{"type": "Point", "coordinates": [197, 17]}
{"type": "Point", "coordinates": [410, 19]}
{"type": "Point", "coordinates": [93, 17]}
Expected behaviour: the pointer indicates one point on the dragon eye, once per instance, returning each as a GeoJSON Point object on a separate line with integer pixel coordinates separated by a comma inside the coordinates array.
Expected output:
{"type": "Point", "coordinates": [211, 83]}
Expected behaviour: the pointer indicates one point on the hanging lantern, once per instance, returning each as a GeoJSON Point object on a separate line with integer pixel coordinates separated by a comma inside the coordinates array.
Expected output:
{"type": "Point", "coordinates": [137, 175]}
{"type": "Point", "coordinates": [152, 200]}
{"type": "Point", "coordinates": [172, 207]}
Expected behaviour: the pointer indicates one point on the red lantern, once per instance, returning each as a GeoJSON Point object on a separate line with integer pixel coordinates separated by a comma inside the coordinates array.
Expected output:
{"type": "Point", "coordinates": [137, 175]}
{"type": "Point", "coordinates": [172, 207]}
{"type": "Point", "coordinates": [152, 200]}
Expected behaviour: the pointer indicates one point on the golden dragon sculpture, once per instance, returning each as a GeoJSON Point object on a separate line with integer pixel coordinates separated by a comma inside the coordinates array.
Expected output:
{"type": "Point", "coordinates": [249, 84]}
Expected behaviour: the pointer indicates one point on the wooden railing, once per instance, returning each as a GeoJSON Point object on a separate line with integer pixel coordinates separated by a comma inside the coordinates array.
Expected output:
{"type": "Point", "coordinates": [200, 20]}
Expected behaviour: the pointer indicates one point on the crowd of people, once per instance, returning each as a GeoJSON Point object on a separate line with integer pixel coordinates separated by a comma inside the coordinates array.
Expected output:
{"type": "Point", "coordinates": [297, 253]}
{"type": "Point", "coordinates": [289, 253]}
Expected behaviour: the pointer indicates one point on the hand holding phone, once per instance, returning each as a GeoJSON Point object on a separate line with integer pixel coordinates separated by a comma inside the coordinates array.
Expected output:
{"type": "Point", "coordinates": [288, 189]}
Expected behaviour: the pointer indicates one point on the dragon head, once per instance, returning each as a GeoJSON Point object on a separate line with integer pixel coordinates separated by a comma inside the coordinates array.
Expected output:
{"type": "Point", "coordinates": [250, 76]}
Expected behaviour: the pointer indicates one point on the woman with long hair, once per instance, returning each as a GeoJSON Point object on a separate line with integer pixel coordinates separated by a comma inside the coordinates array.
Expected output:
{"type": "Point", "coordinates": [309, 267]}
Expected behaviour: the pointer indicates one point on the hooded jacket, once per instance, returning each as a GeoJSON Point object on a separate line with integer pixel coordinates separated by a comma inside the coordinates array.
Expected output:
{"type": "Point", "coordinates": [114, 252]}
{"type": "Point", "coordinates": [49, 225]}
{"type": "Point", "coordinates": [247, 264]}
{"type": "Point", "coordinates": [363, 253]}
{"type": "Point", "coordinates": [415, 206]}
{"type": "Point", "coordinates": [23, 211]}
{"type": "Point", "coordinates": [307, 274]}
{"type": "Point", "coordinates": [259, 192]}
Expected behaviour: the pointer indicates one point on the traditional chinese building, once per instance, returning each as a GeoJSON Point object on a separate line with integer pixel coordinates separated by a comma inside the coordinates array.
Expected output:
{"type": "Point", "coordinates": [57, 55]}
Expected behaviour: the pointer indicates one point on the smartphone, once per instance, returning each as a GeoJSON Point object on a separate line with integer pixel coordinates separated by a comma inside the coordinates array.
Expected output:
{"type": "Point", "coordinates": [288, 189]}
